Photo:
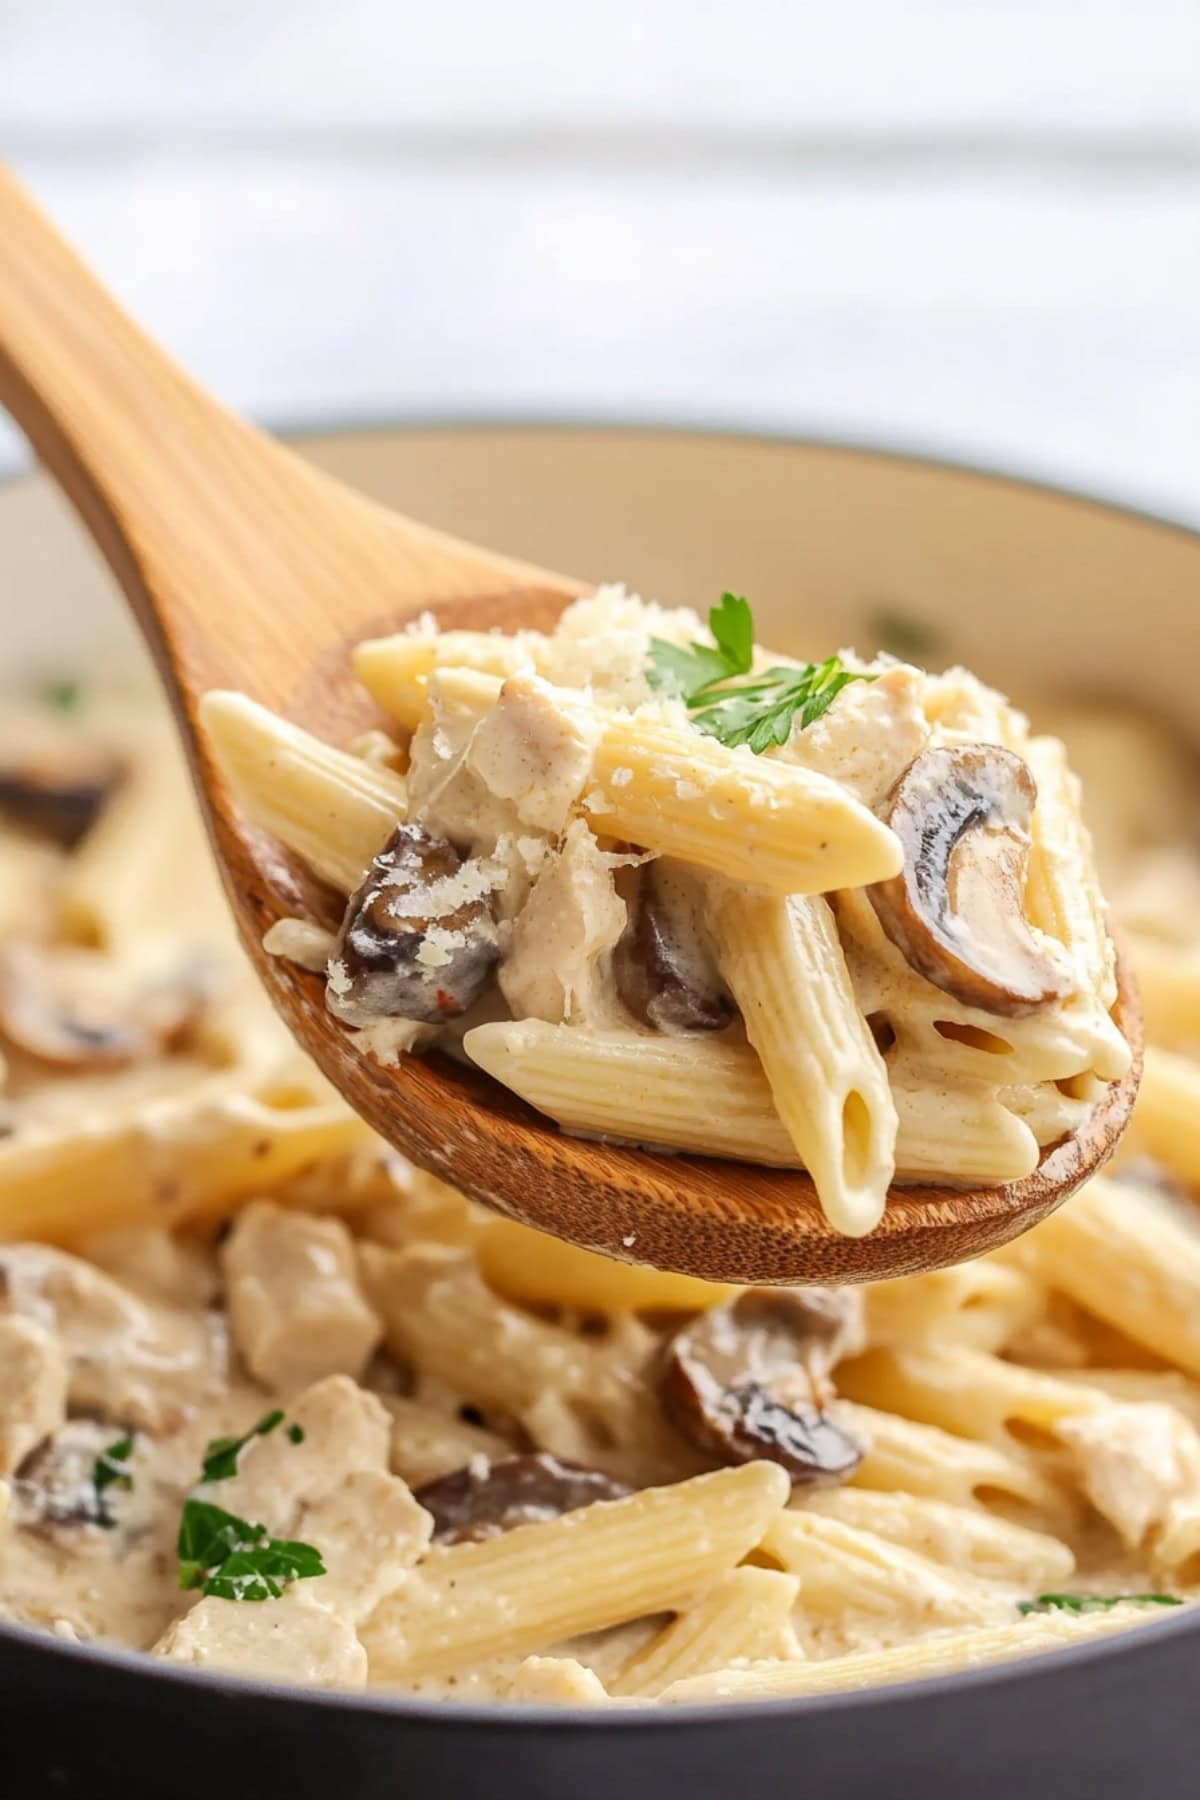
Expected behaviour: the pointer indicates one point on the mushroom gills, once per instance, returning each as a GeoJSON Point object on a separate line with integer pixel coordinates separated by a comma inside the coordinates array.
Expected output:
{"type": "Point", "coordinates": [419, 938]}
{"type": "Point", "coordinates": [750, 1379]}
{"type": "Point", "coordinates": [956, 912]}
{"type": "Point", "coordinates": [665, 974]}
{"type": "Point", "coordinates": [486, 1498]}
{"type": "Point", "coordinates": [71, 1009]}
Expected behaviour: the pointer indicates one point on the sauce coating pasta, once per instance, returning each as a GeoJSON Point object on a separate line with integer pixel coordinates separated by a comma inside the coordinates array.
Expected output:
{"type": "Point", "coordinates": [525, 1471]}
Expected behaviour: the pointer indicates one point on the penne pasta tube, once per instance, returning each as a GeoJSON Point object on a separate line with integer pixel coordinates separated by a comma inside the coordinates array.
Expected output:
{"type": "Point", "coordinates": [955, 1537]}
{"type": "Point", "coordinates": [649, 1090]}
{"type": "Point", "coordinates": [785, 968]}
{"type": "Point", "coordinates": [668, 788]}
{"type": "Point", "coordinates": [845, 1570]}
{"type": "Point", "coordinates": [334, 810]}
{"type": "Point", "coordinates": [1129, 1257]}
{"type": "Point", "coordinates": [938, 1655]}
{"type": "Point", "coordinates": [540, 1584]}
{"type": "Point", "coordinates": [745, 1617]}
{"type": "Point", "coordinates": [176, 1161]}
{"type": "Point", "coordinates": [395, 670]}
{"type": "Point", "coordinates": [905, 1456]}
{"type": "Point", "coordinates": [1166, 1118]}
{"type": "Point", "coordinates": [1168, 977]}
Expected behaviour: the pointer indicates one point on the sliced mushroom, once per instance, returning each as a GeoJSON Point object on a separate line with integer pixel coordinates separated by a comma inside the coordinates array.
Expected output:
{"type": "Point", "coordinates": [485, 1498]}
{"type": "Point", "coordinates": [957, 911]}
{"type": "Point", "coordinates": [73, 1009]}
{"type": "Point", "coordinates": [419, 939]}
{"type": "Point", "coordinates": [750, 1379]}
{"type": "Point", "coordinates": [61, 795]}
{"type": "Point", "coordinates": [665, 976]}
{"type": "Point", "coordinates": [55, 1485]}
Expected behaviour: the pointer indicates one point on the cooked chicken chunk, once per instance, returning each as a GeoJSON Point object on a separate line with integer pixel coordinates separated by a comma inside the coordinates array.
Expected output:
{"type": "Point", "coordinates": [341, 1429]}
{"type": "Point", "coordinates": [297, 1310]}
{"type": "Point", "coordinates": [129, 1360]}
{"type": "Point", "coordinates": [291, 1639]}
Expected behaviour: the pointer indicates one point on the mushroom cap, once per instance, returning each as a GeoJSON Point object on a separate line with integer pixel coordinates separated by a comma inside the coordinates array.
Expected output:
{"type": "Point", "coordinates": [956, 911]}
{"type": "Point", "coordinates": [418, 940]}
{"type": "Point", "coordinates": [749, 1380]}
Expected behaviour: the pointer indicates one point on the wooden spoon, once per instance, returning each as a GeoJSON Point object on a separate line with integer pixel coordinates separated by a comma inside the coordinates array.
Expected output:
{"type": "Point", "coordinates": [248, 569]}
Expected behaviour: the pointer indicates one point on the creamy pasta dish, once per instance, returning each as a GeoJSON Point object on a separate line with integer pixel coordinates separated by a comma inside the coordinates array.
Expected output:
{"type": "Point", "coordinates": [674, 891]}
{"type": "Point", "coordinates": [273, 1403]}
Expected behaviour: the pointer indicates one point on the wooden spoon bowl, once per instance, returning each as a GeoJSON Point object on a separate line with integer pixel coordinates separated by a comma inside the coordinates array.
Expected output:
{"type": "Point", "coordinates": [246, 568]}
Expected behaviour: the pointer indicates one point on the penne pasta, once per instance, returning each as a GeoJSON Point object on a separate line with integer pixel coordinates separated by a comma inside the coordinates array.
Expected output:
{"type": "Point", "coordinates": [744, 1617]}
{"type": "Point", "coordinates": [621, 1084]}
{"type": "Point", "coordinates": [540, 1584]}
{"type": "Point", "coordinates": [333, 809]}
{"type": "Point", "coordinates": [785, 968]}
{"type": "Point", "coordinates": [939, 1655]}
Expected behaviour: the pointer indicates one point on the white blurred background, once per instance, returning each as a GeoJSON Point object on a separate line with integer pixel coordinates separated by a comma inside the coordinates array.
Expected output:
{"type": "Point", "coordinates": [964, 227]}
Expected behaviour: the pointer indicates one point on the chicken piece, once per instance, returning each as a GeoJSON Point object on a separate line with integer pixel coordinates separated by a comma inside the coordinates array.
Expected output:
{"type": "Point", "coordinates": [1135, 1461]}
{"type": "Point", "coordinates": [559, 957]}
{"type": "Point", "coordinates": [369, 1531]}
{"type": "Point", "coordinates": [557, 1681]}
{"type": "Point", "coordinates": [155, 1263]}
{"type": "Point", "coordinates": [534, 749]}
{"type": "Point", "coordinates": [129, 1360]}
{"type": "Point", "coordinates": [869, 738]}
{"type": "Point", "coordinates": [341, 1429]}
{"type": "Point", "coordinates": [295, 1305]}
{"type": "Point", "coordinates": [293, 1638]}
{"type": "Point", "coordinates": [33, 1389]}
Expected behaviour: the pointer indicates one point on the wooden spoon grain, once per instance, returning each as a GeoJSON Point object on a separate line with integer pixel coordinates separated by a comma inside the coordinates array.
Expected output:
{"type": "Point", "coordinates": [246, 568]}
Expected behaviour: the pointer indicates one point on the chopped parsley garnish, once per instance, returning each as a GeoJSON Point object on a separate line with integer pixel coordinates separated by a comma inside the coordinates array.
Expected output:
{"type": "Point", "coordinates": [232, 1559]}
{"type": "Point", "coordinates": [903, 636]}
{"type": "Point", "coordinates": [109, 1469]}
{"type": "Point", "coordinates": [295, 1434]}
{"type": "Point", "coordinates": [760, 712]}
{"type": "Point", "coordinates": [64, 696]}
{"type": "Point", "coordinates": [1089, 1603]}
{"type": "Point", "coordinates": [221, 1456]}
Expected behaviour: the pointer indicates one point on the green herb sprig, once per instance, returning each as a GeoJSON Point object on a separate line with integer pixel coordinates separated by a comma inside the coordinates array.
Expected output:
{"type": "Point", "coordinates": [232, 1559]}
{"type": "Point", "coordinates": [109, 1468]}
{"type": "Point", "coordinates": [760, 712]}
{"type": "Point", "coordinates": [1090, 1603]}
{"type": "Point", "coordinates": [221, 1456]}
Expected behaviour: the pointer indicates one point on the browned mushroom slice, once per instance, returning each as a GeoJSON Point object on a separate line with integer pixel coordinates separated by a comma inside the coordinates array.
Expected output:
{"type": "Point", "coordinates": [750, 1379]}
{"type": "Point", "coordinates": [73, 1009]}
{"type": "Point", "coordinates": [418, 940]}
{"type": "Point", "coordinates": [60, 796]}
{"type": "Point", "coordinates": [56, 1483]}
{"type": "Point", "coordinates": [485, 1499]}
{"type": "Point", "coordinates": [957, 910]}
{"type": "Point", "coordinates": [664, 974]}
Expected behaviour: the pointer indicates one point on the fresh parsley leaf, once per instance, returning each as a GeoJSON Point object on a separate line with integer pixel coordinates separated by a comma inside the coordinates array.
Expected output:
{"type": "Point", "coordinates": [766, 711]}
{"type": "Point", "coordinates": [64, 696]}
{"type": "Point", "coordinates": [221, 1456]}
{"type": "Point", "coordinates": [263, 1573]}
{"type": "Point", "coordinates": [233, 1559]}
{"type": "Point", "coordinates": [208, 1536]}
{"type": "Point", "coordinates": [901, 635]}
{"type": "Point", "coordinates": [108, 1470]}
{"type": "Point", "coordinates": [1089, 1603]}
{"type": "Point", "coordinates": [295, 1434]}
{"type": "Point", "coordinates": [687, 670]}
{"type": "Point", "coordinates": [760, 712]}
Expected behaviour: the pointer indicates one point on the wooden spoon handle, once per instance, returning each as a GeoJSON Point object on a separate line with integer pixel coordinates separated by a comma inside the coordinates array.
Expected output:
{"type": "Point", "coordinates": [242, 563]}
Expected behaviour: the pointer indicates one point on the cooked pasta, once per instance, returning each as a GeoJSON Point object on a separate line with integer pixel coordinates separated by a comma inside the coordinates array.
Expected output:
{"type": "Point", "coordinates": [869, 890]}
{"type": "Point", "coordinates": [457, 1458]}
